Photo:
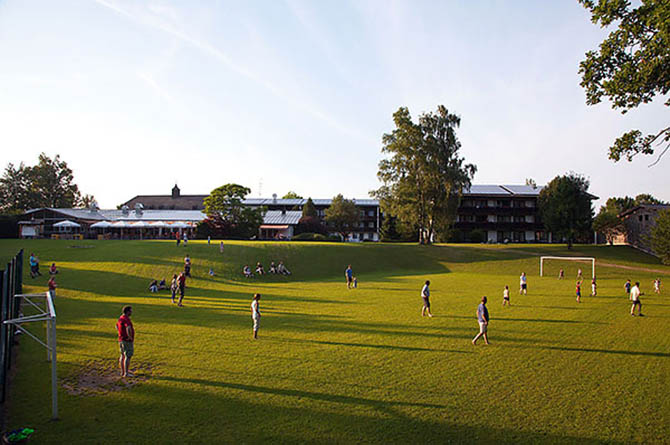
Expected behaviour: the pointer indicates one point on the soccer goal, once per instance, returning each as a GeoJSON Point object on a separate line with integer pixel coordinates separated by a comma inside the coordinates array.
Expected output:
{"type": "Point", "coordinates": [41, 308]}
{"type": "Point", "coordinates": [569, 258]}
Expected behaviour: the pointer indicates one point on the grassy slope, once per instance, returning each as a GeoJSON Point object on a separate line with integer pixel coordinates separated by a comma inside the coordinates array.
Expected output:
{"type": "Point", "coordinates": [351, 366]}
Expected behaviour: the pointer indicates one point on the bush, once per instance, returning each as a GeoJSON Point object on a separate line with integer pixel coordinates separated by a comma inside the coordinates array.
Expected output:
{"type": "Point", "coordinates": [314, 237]}
{"type": "Point", "coordinates": [477, 236]}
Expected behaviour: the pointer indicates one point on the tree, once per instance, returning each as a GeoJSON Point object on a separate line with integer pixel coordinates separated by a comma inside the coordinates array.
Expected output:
{"type": "Point", "coordinates": [608, 223]}
{"type": "Point", "coordinates": [87, 201]}
{"type": "Point", "coordinates": [647, 199]}
{"type": "Point", "coordinates": [342, 215]}
{"type": "Point", "coordinates": [660, 236]}
{"type": "Point", "coordinates": [423, 177]}
{"type": "Point", "coordinates": [228, 216]}
{"type": "Point", "coordinates": [565, 207]}
{"type": "Point", "coordinates": [50, 183]}
{"type": "Point", "coordinates": [309, 209]}
{"type": "Point", "coordinates": [531, 182]}
{"type": "Point", "coordinates": [631, 66]}
{"type": "Point", "coordinates": [389, 231]}
{"type": "Point", "coordinates": [291, 195]}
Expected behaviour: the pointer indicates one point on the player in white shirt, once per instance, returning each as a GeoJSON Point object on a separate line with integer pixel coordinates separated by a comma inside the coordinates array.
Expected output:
{"type": "Point", "coordinates": [256, 314]}
{"type": "Point", "coordinates": [425, 296]}
{"type": "Point", "coordinates": [523, 284]}
{"type": "Point", "coordinates": [506, 296]}
{"type": "Point", "coordinates": [657, 285]}
{"type": "Point", "coordinates": [635, 298]}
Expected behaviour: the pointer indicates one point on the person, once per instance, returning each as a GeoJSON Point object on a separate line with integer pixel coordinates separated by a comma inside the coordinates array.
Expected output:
{"type": "Point", "coordinates": [209, 240]}
{"type": "Point", "coordinates": [349, 276]}
{"type": "Point", "coordinates": [635, 298]}
{"type": "Point", "coordinates": [425, 295]}
{"type": "Point", "coordinates": [53, 270]}
{"type": "Point", "coordinates": [178, 238]}
{"type": "Point", "coordinates": [657, 285]}
{"type": "Point", "coordinates": [52, 287]}
{"type": "Point", "coordinates": [34, 266]}
{"type": "Point", "coordinates": [181, 279]}
{"type": "Point", "coordinates": [162, 285]}
{"type": "Point", "coordinates": [185, 239]}
{"type": "Point", "coordinates": [355, 283]}
{"type": "Point", "coordinates": [273, 268]}
{"type": "Point", "coordinates": [627, 287]}
{"type": "Point", "coordinates": [561, 274]}
{"type": "Point", "coordinates": [247, 272]}
{"type": "Point", "coordinates": [187, 266]}
{"type": "Point", "coordinates": [578, 291]}
{"type": "Point", "coordinates": [282, 269]}
{"type": "Point", "coordinates": [579, 274]}
{"type": "Point", "coordinates": [593, 287]}
{"type": "Point", "coordinates": [523, 284]}
{"type": "Point", "coordinates": [221, 247]}
{"type": "Point", "coordinates": [153, 286]}
{"type": "Point", "coordinates": [506, 296]}
{"type": "Point", "coordinates": [211, 272]}
{"type": "Point", "coordinates": [259, 268]}
{"type": "Point", "coordinates": [126, 340]}
{"type": "Point", "coordinates": [256, 314]}
{"type": "Point", "coordinates": [483, 319]}
{"type": "Point", "coordinates": [174, 286]}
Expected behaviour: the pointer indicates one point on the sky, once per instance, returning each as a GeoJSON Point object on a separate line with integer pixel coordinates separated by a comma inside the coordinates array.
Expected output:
{"type": "Point", "coordinates": [281, 95]}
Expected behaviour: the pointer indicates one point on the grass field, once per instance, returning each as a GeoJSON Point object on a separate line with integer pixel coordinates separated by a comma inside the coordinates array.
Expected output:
{"type": "Point", "coordinates": [347, 366]}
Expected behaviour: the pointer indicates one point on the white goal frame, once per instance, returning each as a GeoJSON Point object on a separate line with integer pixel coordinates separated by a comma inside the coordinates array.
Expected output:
{"type": "Point", "coordinates": [569, 258]}
{"type": "Point", "coordinates": [46, 311]}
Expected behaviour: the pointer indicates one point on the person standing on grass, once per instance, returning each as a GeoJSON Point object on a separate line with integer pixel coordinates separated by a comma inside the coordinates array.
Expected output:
{"type": "Point", "coordinates": [181, 279]}
{"type": "Point", "coordinates": [657, 286]}
{"type": "Point", "coordinates": [579, 274]}
{"type": "Point", "coordinates": [506, 296]}
{"type": "Point", "coordinates": [523, 284]}
{"type": "Point", "coordinates": [627, 286]}
{"type": "Point", "coordinates": [221, 247]}
{"type": "Point", "coordinates": [349, 276]}
{"type": "Point", "coordinates": [635, 298]}
{"type": "Point", "coordinates": [483, 319]}
{"type": "Point", "coordinates": [178, 238]}
{"type": "Point", "coordinates": [174, 287]}
{"type": "Point", "coordinates": [187, 266]}
{"type": "Point", "coordinates": [256, 314]}
{"type": "Point", "coordinates": [561, 274]}
{"type": "Point", "coordinates": [593, 287]}
{"type": "Point", "coordinates": [52, 287]}
{"type": "Point", "coordinates": [126, 340]}
{"type": "Point", "coordinates": [425, 295]}
{"type": "Point", "coordinates": [578, 291]}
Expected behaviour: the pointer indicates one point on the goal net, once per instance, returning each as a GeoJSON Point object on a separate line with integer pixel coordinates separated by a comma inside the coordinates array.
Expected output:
{"type": "Point", "coordinates": [544, 259]}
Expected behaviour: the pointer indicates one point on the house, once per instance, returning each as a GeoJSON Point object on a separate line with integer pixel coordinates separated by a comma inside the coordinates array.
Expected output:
{"type": "Point", "coordinates": [638, 223]}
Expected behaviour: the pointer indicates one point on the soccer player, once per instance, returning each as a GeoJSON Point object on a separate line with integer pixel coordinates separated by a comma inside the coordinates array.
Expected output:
{"type": "Point", "coordinates": [425, 295]}
{"type": "Point", "coordinates": [561, 274]}
{"type": "Point", "coordinates": [593, 287]}
{"type": "Point", "coordinates": [578, 291]}
{"type": "Point", "coordinates": [657, 285]}
{"type": "Point", "coordinates": [174, 286]}
{"type": "Point", "coordinates": [181, 279]}
{"type": "Point", "coordinates": [635, 298]}
{"type": "Point", "coordinates": [627, 287]}
{"type": "Point", "coordinates": [483, 319]}
{"type": "Point", "coordinates": [126, 340]}
{"type": "Point", "coordinates": [255, 314]}
{"type": "Point", "coordinates": [506, 296]}
{"type": "Point", "coordinates": [523, 284]}
{"type": "Point", "coordinates": [349, 276]}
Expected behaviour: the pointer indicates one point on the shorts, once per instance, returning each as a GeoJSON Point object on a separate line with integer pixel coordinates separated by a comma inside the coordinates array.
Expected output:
{"type": "Point", "coordinates": [637, 302]}
{"type": "Point", "coordinates": [350, 280]}
{"type": "Point", "coordinates": [524, 286]}
{"type": "Point", "coordinates": [126, 348]}
{"type": "Point", "coordinates": [483, 327]}
{"type": "Point", "coordinates": [181, 290]}
{"type": "Point", "coordinates": [579, 294]}
{"type": "Point", "coordinates": [426, 302]}
{"type": "Point", "coordinates": [506, 298]}
{"type": "Point", "coordinates": [257, 322]}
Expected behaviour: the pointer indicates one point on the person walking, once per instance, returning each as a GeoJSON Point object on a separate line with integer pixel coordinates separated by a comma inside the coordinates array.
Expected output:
{"type": "Point", "coordinates": [483, 319]}
{"type": "Point", "coordinates": [657, 286]}
{"type": "Point", "coordinates": [506, 301]}
{"type": "Point", "coordinates": [256, 314]}
{"type": "Point", "coordinates": [627, 287]}
{"type": "Point", "coordinates": [174, 287]}
{"type": "Point", "coordinates": [349, 276]}
{"type": "Point", "coordinates": [181, 279]}
{"type": "Point", "coordinates": [635, 298]}
{"type": "Point", "coordinates": [425, 295]}
{"type": "Point", "coordinates": [523, 284]}
{"type": "Point", "coordinates": [126, 340]}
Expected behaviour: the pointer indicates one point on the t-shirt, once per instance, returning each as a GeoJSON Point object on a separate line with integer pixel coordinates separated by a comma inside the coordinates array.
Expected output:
{"type": "Point", "coordinates": [506, 293]}
{"type": "Point", "coordinates": [578, 288]}
{"type": "Point", "coordinates": [52, 284]}
{"type": "Point", "coordinates": [33, 261]}
{"type": "Point", "coordinates": [522, 279]}
{"type": "Point", "coordinates": [349, 273]}
{"type": "Point", "coordinates": [635, 293]}
{"type": "Point", "coordinates": [121, 326]}
{"type": "Point", "coordinates": [182, 280]}
{"type": "Point", "coordinates": [482, 313]}
{"type": "Point", "coordinates": [255, 313]}
{"type": "Point", "coordinates": [187, 260]}
{"type": "Point", "coordinates": [627, 286]}
{"type": "Point", "coordinates": [425, 292]}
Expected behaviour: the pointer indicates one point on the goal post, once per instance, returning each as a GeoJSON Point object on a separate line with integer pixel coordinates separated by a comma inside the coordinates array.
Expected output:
{"type": "Point", "coordinates": [42, 308]}
{"type": "Point", "coordinates": [569, 258]}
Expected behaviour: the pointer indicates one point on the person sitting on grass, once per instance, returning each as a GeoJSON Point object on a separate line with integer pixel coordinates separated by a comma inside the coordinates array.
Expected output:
{"type": "Point", "coordinates": [52, 269]}
{"type": "Point", "coordinates": [282, 269]}
{"type": "Point", "coordinates": [211, 272]}
{"type": "Point", "coordinates": [162, 285]}
{"type": "Point", "coordinates": [153, 286]}
{"type": "Point", "coordinates": [259, 269]}
{"type": "Point", "coordinates": [247, 272]}
{"type": "Point", "coordinates": [273, 268]}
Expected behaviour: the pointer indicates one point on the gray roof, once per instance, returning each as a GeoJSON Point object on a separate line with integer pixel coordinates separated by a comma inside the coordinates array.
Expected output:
{"type": "Point", "coordinates": [117, 215]}
{"type": "Point", "coordinates": [300, 202]}
{"type": "Point", "coordinates": [503, 190]}
{"type": "Point", "coordinates": [276, 217]}
{"type": "Point", "coordinates": [528, 190]}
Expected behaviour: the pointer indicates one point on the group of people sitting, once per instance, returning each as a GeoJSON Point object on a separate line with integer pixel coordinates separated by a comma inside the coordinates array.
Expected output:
{"type": "Point", "coordinates": [279, 269]}
{"type": "Point", "coordinates": [155, 286]}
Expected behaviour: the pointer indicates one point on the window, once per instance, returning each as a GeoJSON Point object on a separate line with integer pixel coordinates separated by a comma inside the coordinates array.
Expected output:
{"type": "Point", "coordinates": [371, 213]}
{"type": "Point", "coordinates": [371, 224]}
{"type": "Point", "coordinates": [646, 217]}
{"type": "Point", "coordinates": [639, 218]}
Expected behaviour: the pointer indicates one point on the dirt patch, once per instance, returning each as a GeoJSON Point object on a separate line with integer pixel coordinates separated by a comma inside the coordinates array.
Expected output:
{"type": "Point", "coordinates": [98, 378]}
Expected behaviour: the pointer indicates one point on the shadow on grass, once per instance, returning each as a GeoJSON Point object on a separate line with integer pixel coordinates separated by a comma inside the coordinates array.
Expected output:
{"type": "Point", "coordinates": [374, 346]}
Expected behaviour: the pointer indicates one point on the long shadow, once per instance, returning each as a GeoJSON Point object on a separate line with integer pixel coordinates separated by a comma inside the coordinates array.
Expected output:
{"type": "Point", "coordinates": [533, 320]}
{"type": "Point", "coordinates": [376, 346]}
{"type": "Point", "coordinates": [609, 351]}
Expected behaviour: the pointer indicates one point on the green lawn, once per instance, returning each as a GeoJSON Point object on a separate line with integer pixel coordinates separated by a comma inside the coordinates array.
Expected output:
{"type": "Point", "coordinates": [348, 366]}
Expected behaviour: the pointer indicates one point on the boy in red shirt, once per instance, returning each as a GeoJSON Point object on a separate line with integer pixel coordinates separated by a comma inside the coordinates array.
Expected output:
{"type": "Point", "coordinates": [126, 340]}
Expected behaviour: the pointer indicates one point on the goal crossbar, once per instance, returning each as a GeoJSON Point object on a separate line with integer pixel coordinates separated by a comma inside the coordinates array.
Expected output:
{"type": "Point", "coordinates": [569, 258]}
{"type": "Point", "coordinates": [45, 312]}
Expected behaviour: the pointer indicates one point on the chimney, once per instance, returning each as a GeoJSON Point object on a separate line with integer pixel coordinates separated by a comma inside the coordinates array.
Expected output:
{"type": "Point", "coordinates": [175, 192]}
{"type": "Point", "coordinates": [274, 198]}
{"type": "Point", "coordinates": [124, 210]}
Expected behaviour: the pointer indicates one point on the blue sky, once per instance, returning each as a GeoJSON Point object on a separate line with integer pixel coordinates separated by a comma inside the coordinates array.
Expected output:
{"type": "Point", "coordinates": [295, 95]}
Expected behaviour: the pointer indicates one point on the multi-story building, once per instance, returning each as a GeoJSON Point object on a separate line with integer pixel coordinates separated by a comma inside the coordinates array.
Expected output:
{"type": "Point", "coordinates": [638, 223]}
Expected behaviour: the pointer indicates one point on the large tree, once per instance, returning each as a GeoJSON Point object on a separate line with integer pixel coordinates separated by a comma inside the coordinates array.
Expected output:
{"type": "Point", "coordinates": [291, 195]}
{"type": "Point", "coordinates": [660, 236]}
{"type": "Point", "coordinates": [50, 183]}
{"type": "Point", "coordinates": [565, 207]}
{"type": "Point", "coordinates": [631, 67]}
{"type": "Point", "coordinates": [227, 215]}
{"type": "Point", "coordinates": [423, 176]}
{"type": "Point", "coordinates": [342, 216]}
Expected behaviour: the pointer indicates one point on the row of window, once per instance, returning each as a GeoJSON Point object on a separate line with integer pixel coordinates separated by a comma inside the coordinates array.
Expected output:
{"type": "Point", "coordinates": [500, 203]}
{"type": "Point", "coordinates": [493, 218]}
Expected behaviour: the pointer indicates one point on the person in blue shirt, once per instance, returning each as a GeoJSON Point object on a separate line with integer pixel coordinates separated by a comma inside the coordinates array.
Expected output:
{"type": "Point", "coordinates": [34, 266]}
{"type": "Point", "coordinates": [349, 276]}
{"type": "Point", "coordinates": [483, 319]}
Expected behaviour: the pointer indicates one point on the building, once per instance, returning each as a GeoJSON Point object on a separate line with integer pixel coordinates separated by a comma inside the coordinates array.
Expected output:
{"type": "Point", "coordinates": [638, 223]}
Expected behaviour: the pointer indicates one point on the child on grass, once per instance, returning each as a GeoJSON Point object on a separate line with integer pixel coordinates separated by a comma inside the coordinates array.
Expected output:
{"type": "Point", "coordinates": [255, 314]}
{"type": "Point", "coordinates": [506, 296]}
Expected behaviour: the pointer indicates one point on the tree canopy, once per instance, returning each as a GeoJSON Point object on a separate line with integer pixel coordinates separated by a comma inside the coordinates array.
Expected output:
{"type": "Point", "coordinates": [423, 176]}
{"type": "Point", "coordinates": [565, 207]}
{"type": "Point", "coordinates": [50, 183]}
{"type": "Point", "coordinates": [291, 195]}
{"type": "Point", "coordinates": [227, 216]}
{"type": "Point", "coordinates": [660, 236]}
{"type": "Point", "coordinates": [631, 67]}
{"type": "Point", "coordinates": [342, 215]}
{"type": "Point", "coordinates": [309, 209]}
